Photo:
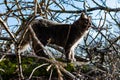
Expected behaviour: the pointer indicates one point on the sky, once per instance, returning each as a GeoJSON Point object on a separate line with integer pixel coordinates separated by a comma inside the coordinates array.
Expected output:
{"type": "Point", "coordinates": [95, 15]}
{"type": "Point", "coordinates": [110, 3]}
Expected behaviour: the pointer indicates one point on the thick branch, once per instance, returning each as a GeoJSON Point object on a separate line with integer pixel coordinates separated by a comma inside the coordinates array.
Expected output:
{"type": "Point", "coordinates": [90, 9]}
{"type": "Point", "coordinates": [5, 38]}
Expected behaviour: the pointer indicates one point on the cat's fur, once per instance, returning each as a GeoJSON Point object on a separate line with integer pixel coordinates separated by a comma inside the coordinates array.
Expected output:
{"type": "Point", "coordinates": [65, 35]}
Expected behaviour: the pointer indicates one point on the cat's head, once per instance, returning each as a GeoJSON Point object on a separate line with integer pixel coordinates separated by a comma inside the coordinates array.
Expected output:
{"type": "Point", "coordinates": [83, 22]}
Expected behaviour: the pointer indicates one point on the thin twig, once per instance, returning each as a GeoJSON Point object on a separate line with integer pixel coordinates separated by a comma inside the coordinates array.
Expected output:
{"type": "Point", "coordinates": [50, 74]}
{"type": "Point", "coordinates": [19, 7]}
{"type": "Point", "coordinates": [20, 73]}
{"type": "Point", "coordinates": [36, 69]}
{"type": "Point", "coordinates": [8, 30]}
{"type": "Point", "coordinates": [35, 10]}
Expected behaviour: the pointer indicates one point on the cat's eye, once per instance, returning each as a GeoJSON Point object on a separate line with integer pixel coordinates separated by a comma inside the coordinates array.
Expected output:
{"type": "Point", "coordinates": [86, 21]}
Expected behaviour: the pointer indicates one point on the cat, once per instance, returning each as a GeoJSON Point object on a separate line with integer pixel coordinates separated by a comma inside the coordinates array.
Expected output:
{"type": "Point", "coordinates": [67, 36]}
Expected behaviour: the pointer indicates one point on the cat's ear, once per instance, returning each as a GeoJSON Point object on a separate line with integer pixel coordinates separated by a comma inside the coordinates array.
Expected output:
{"type": "Point", "coordinates": [89, 18]}
{"type": "Point", "coordinates": [83, 16]}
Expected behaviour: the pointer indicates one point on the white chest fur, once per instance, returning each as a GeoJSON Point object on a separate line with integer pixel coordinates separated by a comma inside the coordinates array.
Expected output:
{"type": "Point", "coordinates": [72, 50]}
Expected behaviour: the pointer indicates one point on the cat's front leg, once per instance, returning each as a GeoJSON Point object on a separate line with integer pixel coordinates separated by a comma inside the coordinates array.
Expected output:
{"type": "Point", "coordinates": [71, 55]}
